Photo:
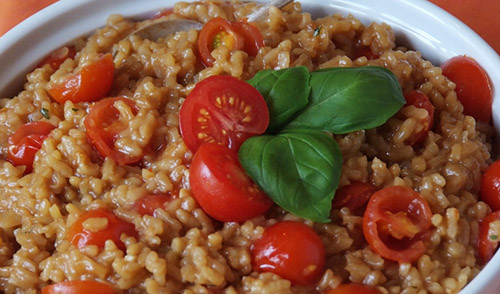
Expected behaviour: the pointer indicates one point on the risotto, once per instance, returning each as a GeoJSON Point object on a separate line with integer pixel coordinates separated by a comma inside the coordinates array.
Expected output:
{"type": "Point", "coordinates": [97, 168]}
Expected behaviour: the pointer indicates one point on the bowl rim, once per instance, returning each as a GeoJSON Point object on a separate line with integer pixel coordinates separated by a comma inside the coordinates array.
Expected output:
{"type": "Point", "coordinates": [15, 45]}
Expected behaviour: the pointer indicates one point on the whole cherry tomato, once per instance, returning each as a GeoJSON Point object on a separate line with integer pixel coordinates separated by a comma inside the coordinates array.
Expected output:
{"type": "Point", "coordinates": [149, 203]}
{"type": "Point", "coordinates": [26, 141]}
{"type": "Point", "coordinates": [420, 100]}
{"type": "Point", "coordinates": [353, 289]}
{"type": "Point", "coordinates": [58, 56]}
{"type": "Point", "coordinates": [396, 223]}
{"type": "Point", "coordinates": [78, 287]}
{"type": "Point", "coordinates": [224, 110]}
{"type": "Point", "coordinates": [353, 196]}
{"type": "Point", "coordinates": [291, 250]}
{"type": "Point", "coordinates": [79, 236]}
{"type": "Point", "coordinates": [237, 35]}
{"type": "Point", "coordinates": [490, 186]}
{"type": "Point", "coordinates": [222, 188]}
{"type": "Point", "coordinates": [473, 86]}
{"type": "Point", "coordinates": [103, 126]}
{"type": "Point", "coordinates": [92, 83]}
{"type": "Point", "coordinates": [487, 242]}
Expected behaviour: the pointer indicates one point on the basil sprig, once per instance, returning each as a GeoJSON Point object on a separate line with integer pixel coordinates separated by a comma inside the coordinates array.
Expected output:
{"type": "Point", "coordinates": [299, 167]}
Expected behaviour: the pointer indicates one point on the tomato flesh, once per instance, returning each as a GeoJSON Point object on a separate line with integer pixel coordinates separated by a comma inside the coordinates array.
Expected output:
{"type": "Point", "coordinates": [78, 287]}
{"type": "Point", "coordinates": [57, 57]}
{"type": "Point", "coordinates": [487, 243]}
{"type": "Point", "coordinates": [222, 188]}
{"type": "Point", "coordinates": [80, 236]}
{"type": "Point", "coordinates": [490, 186]}
{"type": "Point", "coordinates": [473, 86]}
{"type": "Point", "coordinates": [354, 196]}
{"type": "Point", "coordinates": [26, 141]}
{"type": "Point", "coordinates": [353, 289]}
{"type": "Point", "coordinates": [149, 203]}
{"type": "Point", "coordinates": [103, 126]}
{"type": "Point", "coordinates": [92, 83]}
{"type": "Point", "coordinates": [223, 110]}
{"type": "Point", "coordinates": [420, 100]}
{"type": "Point", "coordinates": [396, 223]}
{"type": "Point", "coordinates": [237, 35]}
{"type": "Point", "coordinates": [291, 250]}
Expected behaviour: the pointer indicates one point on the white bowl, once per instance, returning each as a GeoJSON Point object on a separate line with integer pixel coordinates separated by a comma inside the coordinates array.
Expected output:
{"type": "Point", "coordinates": [417, 23]}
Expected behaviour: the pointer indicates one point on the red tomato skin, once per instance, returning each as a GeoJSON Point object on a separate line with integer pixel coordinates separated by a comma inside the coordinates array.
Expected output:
{"type": "Point", "coordinates": [26, 141]}
{"type": "Point", "coordinates": [92, 83]}
{"type": "Point", "coordinates": [252, 38]}
{"type": "Point", "coordinates": [148, 204]}
{"type": "Point", "coordinates": [420, 100]}
{"type": "Point", "coordinates": [353, 289]}
{"type": "Point", "coordinates": [473, 86]}
{"type": "Point", "coordinates": [81, 237]}
{"type": "Point", "coordinates": [102, 129]}
{"type": "Point", "coordinates": [487, 248]}
{"type": "Point", "coordinates": [353, 196]}
{"type": "Point", "coordinates": [490, 186]}
{"type": "Point", "coordinates": [58, 56]}
{"type": "Point", "coordinates": [291, 250]}
{"type": "Point", "coordinates": [208, 116]}
{"type": "Point", "coordinates": [222, 188]}
{"type": "Point", "coordinates": [397, 199]}
{"type": "Point", "coordinates": [78, 287]}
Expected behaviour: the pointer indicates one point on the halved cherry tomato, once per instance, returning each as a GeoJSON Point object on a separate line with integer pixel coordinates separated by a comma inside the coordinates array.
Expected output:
{"type": "Point", "coordinates": [291, 250]}
{"type": "Point", "coordinates": [78, 287]}
{"type": "Point", "coordinates": [487, 243]}
{"type": "Point", "coordinates": [149, 203]}
{"type": "Point", "coordinates": [26, 141]}
{"type": "Point", "coordinates": [224, 110]}
{"type": "Point", "coordinates": [103, 125]}
{"type": "Point", "coordinates": [58, 56]}
{"type": "Point", "coordinates": [473, 86]}
{"type": "Point", "coordinates": [490, 186]}
{"type": "Point", "coordinates": [92, 83]}
{"type": "Point", "coordinates": [420, 100]}
{"type": "Point", "coordinates": [79, 236]}
{"type": "Point", "coordinates": [237, 35]}
{"type": "Point", "coordinates": [353, 196]}
{"type": "Point", "coordinates": [396, 223]}
{"type": "Point", "coordinates": [222, 188]}
{"type": "Point", "coordinates": [353, 289]}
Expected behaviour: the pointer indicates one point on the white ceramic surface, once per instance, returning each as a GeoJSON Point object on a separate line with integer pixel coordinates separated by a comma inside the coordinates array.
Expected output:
{"type": "Point", "coordinates": [418, 24]}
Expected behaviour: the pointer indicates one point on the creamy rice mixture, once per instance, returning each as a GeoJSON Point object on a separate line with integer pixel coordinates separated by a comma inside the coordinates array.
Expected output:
{"type": "Point", "coordinates": [181, 249]}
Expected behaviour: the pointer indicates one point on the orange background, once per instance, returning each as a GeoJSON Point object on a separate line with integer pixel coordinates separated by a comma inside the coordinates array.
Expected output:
{"type": "Point", "coordinates": [483, 16]}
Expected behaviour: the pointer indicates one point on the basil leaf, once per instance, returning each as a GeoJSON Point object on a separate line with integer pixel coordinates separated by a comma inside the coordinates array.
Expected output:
{"type": "Point", "coordinates": [45, 113]}
{"type": "Point", "coordinates": [286, 92]}
{"type": "Point", "coordinates": [298, 169]}
{"type": "Point", "coordinates": [344, 100]}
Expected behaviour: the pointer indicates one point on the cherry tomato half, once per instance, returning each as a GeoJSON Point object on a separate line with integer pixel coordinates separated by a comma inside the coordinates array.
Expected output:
{"type": "Point", "coordinates": [291, 250]}
{"type": "Point", "coordinates": [353, 289]}
{"type": "Point", "coordinates": [103, 125]}
{"type": "Point", "coordinates": [420, 100]}
{"type": "Point", "coordinates": [149, 203]}
{"type": "Point", "coordinates": [473, 86]}
{"type": "Point", "coordinates": [490, 186]}
{"type": "Point", "coordinates": [26, 141]}
{"type": "Point", "coordinates": [353, 196]}
{"type": "Point", "coordinates": [90, 84]}
{"type": "Point", "coordinates": [237, 35]}
{"type": "Point", "coordinates": [79, 236]}
{"type": "Point", "coordinates": [222, 188]}
{"type": "Point", "coordinates": [78, 287]}
{"type": "Point", "coordinates": [487, 243]}
{"type": "Point", "coordinates": [224, 110]}
{"type": "Point", "coordinates": [396, 223]}
{"type": "Point", "coordinates": [58, 56]}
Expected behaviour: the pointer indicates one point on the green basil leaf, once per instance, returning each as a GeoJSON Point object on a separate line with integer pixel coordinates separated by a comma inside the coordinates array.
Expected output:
{"type": "Point", "coordinates": [298, 169]}
{"type": "Point", "coordinates": [344, 100]}
{"type": "Point", "coordinates": [286, 92]}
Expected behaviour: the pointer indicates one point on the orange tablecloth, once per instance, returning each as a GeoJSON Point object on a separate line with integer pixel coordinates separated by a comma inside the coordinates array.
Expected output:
{"type": "Point", "coordinates": [482, 16]}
